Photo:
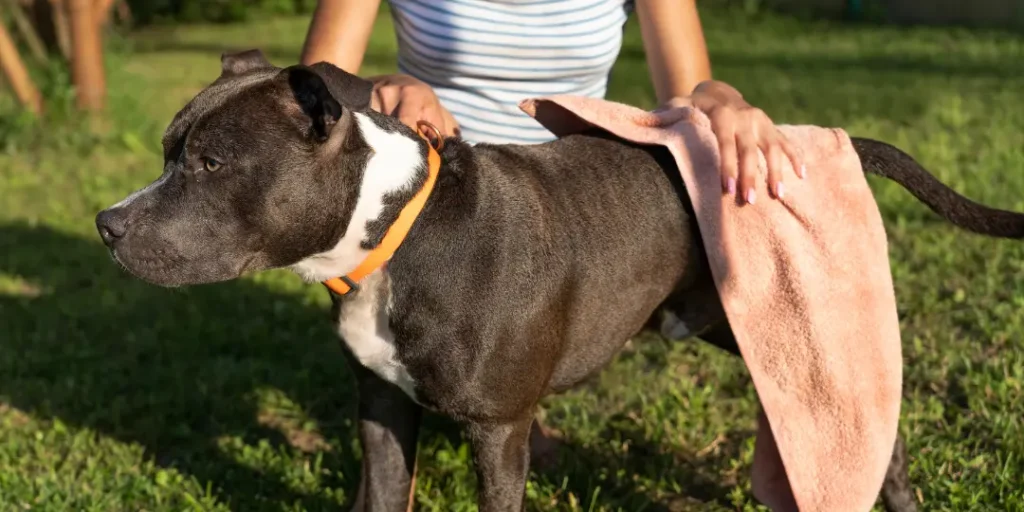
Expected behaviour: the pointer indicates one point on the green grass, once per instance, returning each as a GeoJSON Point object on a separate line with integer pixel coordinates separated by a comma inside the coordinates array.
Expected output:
{"type": "Point", "coordinates": [116, 395]}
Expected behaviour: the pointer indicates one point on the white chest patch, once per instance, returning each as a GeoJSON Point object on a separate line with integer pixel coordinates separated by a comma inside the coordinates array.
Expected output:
{"type": "Point", "coordinates": [392, 168]}
{"type": "Point", "coordinates": [363, 327]}
{"type": "Point", "coordinates": [363, 317]}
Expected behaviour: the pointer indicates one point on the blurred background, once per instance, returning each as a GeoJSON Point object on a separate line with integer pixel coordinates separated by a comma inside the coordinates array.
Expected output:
{"type": "Point", "coordinates": [116, 395]}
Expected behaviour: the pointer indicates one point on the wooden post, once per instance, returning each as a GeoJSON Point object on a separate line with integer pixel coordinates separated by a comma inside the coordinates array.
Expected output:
{"type": "Point", "coordinates": [124, 12]}
{"type": "Point", "coordinates": [60, 26]}
{"type": "Point", "coordinates": [102, 13]}
{"type": "Point", "coordinates": [17, 75]}
{"type": "Point", "coordinates": [28, 33]}
{"type": "Point", "coordinates": [86, 55]}
{"type": "Point", "coordinates": [106, 9]}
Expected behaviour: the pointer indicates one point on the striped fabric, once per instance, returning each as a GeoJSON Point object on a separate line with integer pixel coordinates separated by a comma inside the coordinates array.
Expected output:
{"type": "Point", "coordinates": [483, 56]}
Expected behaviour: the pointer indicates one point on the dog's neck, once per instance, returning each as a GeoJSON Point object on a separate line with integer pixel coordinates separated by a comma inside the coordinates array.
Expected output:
{"type": "Point", "coordinates": [393, 172]}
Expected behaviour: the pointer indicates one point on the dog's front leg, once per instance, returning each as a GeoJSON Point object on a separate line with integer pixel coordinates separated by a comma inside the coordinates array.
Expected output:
{"type": "Point", "coordinates": [501, 454]}
{"type": "Point", "coordinates": [389, 424]}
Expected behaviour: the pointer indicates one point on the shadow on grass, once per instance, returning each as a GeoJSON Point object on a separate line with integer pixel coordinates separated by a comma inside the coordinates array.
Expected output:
{"type": "Point", "coordinates": [604, 478]}
{"type": "Point", "coordinates": [179, 371]}
{"type": "Point", "coordinates": [174, 371]}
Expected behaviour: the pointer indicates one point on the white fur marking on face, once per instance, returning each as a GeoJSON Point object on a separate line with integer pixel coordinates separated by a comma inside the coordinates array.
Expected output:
{"type": "Point", "coordinates": [363, 327]}
{"type": "Point", "coordinates": [143, 191]}
{"type": "Point", "coordinates": [391, 168]}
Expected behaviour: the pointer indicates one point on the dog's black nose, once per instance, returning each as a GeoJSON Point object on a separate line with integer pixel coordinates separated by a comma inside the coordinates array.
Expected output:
{"type": "Point", "coordinates": [112, 225]}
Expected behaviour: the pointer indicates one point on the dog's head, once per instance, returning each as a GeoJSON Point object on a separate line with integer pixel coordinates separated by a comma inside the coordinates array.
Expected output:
{"type": "Point", "coordinates": [261, 169]}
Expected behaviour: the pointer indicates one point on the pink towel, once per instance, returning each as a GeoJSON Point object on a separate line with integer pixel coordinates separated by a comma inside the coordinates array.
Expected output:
{"type": "Point", "coordinates": [807, 289]}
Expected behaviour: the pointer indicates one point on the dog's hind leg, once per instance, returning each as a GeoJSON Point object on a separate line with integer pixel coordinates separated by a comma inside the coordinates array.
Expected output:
{"type": "Point", "coordinates": [691, 312]}
{"type": "Point", "coordinates": [545, 445]}
{"type": "Point", "coordinates": [897, 494]}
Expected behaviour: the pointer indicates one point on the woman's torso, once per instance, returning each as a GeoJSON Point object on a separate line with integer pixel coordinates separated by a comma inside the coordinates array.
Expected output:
{"type": "Point", "coordinates": [484, 56]}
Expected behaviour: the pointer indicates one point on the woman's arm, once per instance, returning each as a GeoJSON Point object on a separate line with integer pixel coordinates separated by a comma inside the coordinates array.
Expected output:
{"type": "Point", "coordinates": [677, 55]}
{"type": "Point", "coordinates": [340, 33]}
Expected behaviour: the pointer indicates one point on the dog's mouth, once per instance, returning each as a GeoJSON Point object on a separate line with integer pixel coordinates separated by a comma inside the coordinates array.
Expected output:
{"type": "Point", "coordinates": [156, 266]}
{"type": "Point", "coordinates": [167, 268]}
{"type": "Point", "coordinates": [153, 262]}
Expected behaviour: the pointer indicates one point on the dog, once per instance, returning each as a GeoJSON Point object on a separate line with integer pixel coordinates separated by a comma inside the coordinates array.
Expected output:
{"type": "Point", "coordinates": [525, 272]}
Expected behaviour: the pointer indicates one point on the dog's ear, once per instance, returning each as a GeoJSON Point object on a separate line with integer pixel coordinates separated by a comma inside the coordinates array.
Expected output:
{"type": "Point", "coordinates": [237, 63]}
{"type": "Point", "coordinates": [315, 99]}
{"type": "Point", "coordinates": [351, 91]}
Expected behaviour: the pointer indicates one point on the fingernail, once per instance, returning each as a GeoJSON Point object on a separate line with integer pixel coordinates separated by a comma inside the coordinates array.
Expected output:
{"type": "Point", "coordinates": [751, 196]}
{"type": "Point", "coordinates": [803, 171]}
{"type": "Point", "coordinates": [780, 190]}
{"type": "Point", "coordinates": [731, 185]}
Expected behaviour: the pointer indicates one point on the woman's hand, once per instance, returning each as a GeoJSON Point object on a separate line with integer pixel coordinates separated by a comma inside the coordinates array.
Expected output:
{"type": "Point", "coordinates": [411, 100]}
{"type": "Point", "coordinates": [741, 130]}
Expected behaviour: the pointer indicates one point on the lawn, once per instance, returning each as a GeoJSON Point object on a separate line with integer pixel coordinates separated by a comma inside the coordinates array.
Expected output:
{"type": "Point", "coordinates": [116, 395]}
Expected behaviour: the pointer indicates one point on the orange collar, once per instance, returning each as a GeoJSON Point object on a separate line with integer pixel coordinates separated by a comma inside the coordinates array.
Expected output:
{"type": "Point", "coordinates": [400, 228]}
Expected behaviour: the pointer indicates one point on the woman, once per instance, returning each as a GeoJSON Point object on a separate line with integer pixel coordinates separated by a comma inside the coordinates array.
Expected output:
{"type": "Point", "coordinates": [466, 64]}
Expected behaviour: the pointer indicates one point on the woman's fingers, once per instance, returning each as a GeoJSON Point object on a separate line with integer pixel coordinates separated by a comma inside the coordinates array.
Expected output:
{"type": "Point", "coordinates": [385, 99]}
{"type": "Point", "coordinates": [748, 157]}
{"type": "Point", "coordinates": [726, 134]}
{"type": "Point", "coordinates": [414, 103]}
{"type": "Point", "coordinates": [776, 161]}
{"type": "Point", "coordinates": [451, 126]}
{"type": "Point", "coordinates": [743, 136]}
{"type": "Point", "coordinates": [795, 156]}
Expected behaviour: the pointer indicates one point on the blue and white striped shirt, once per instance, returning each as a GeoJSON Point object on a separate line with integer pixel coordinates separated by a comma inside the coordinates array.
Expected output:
{"type": "Point", "coordinates": [482, 57]}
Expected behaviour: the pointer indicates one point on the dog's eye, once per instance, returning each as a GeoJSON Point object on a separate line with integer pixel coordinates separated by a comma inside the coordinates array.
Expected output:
{"type": "Point", "coordinates": [211, 165]}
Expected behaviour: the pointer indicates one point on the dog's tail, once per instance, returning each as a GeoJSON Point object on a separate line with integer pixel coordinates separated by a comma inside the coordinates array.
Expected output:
{"type": "Point", "coordinates": [889, 162]}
